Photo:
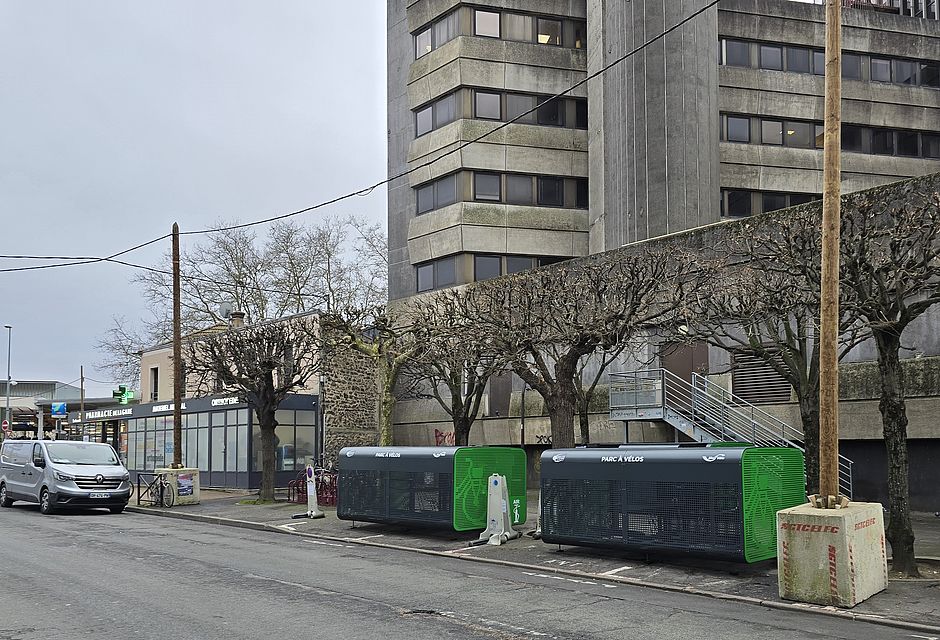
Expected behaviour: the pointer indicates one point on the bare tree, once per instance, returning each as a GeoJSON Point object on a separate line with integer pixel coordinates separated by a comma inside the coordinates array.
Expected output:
{"type": "Point", "coordinates": [261, 364]}
{"type": "Point", "coordinates": [764, 301]}
{"type": "Point", "coordinates": [453, 364]}
{"type": "Point", "coordinates": [120, 348]}
{"type": "Point", "coordinates": [891, 265]}
{"type": "Point", "coordinates": [545, 321]}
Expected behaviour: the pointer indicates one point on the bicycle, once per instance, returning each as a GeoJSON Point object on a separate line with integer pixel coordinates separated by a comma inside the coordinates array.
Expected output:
{"type": "Point", "coordinates": [162, 492]}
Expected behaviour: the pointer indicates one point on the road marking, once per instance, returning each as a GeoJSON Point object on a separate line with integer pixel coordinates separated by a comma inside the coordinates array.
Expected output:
{"type": "Point", "coordinates": [616, 571]}
{"type": "Point", "coordinates": [288, 527]}
{"type": "Point", "coordinates": [330, 544]}
{"type": "Point", "coordinates": [464, 549]}
{"type": "Point", "coordinates": [566, 579]}
{"type": "Point", "coordinates": [378, 535]}
{"type": "Point", "coordinates": [926, 637]}
{"type": "Point", "coordinates": [562, 563]}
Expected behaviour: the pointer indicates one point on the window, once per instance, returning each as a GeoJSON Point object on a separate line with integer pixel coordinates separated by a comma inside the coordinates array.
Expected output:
{"type": "Point", "coordinates": [445, 29]}
{"type": "Point", "coordinates": [852, 138]}
{"type": "Point", "coordinates": [773, 201]}
{"type": "Point", "coordinates": [739, 129]}
{"type": "Point", "coordinates": [424, 120]}
{"type": "Point", "coordinates": [549, 31]}
{"type": "Point", "coordinates": [931, 145]}
{"type": "Point", "coordinates": [437, 194]}
{"type": "Point", "coordinates": [798, 60]}
{"type": "Point", "coordinates": [930, 74]}
{"type": "Point", "coordinates": [820, 136]}
{"type": "Point", "coordinates": [851, 66]}
{"type": "Point", "coordinates": [445, 110]}
{"type": "Point", "coordinates": [880, 70]}
{"type": "Point", "coordinates": [551, 192]}
{"type": "Point", "coordinates": [516, 105]}
{"type": "Point", "coordinates": [487, 105]}
{"type": "Point", "coordinates": [515, 264]}
{"type": "Point", "coordinates": [819, 64]}
{"type": "Point", "coordinates": [486, 186]}
{"type": "Point", "coordinates": [907, 143]}
{"type": "Point", "coordinates": [518, 189]}
{"type": "Point", "coordinates": [552, 113]}
{"type": "Point", "coordinates": [771, 132]}
{"type": "Point", "coordinates": [771, 57]}
{"type": "Point", "coordinates": [436, 274]}
{"type": "Point", "coordinates": [802, 198]}
{"type": "Point", "coordinates": [486, 23]}
{"type": "Point", "coordinates": [518, 27]}
{"type": "Point", "coordinates": [882, 142]}
{"type": "Point", "coordinates": [581, 114]}
{"type": "Point", "coordinates": [737, 53]}
{"type": "Point", "coordinates": [799, 134]}
{"type": "Point", "coordinates": [154, 384]}
{"type": "Point", "coordinates": [579, 28]}
{"type": "Point", "coordinates": [547, 260]}
{"type": "Point", "coordinates": [581, 197]}
{"type": "Point", "coordinates": [904, 71]}
{"type": "Point", "coordinates": [423, 43]}
{"type": "Point", "coordinates": [739, 203]}
{"type": "Point", "coordinates": [486, 267]}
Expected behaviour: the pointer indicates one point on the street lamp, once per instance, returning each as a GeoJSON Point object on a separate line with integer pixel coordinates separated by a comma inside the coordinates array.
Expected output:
{"type": "Point", "coordinates": [9, 328]}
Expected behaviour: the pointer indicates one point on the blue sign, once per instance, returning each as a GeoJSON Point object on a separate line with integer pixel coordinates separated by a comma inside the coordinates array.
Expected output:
{"type": "Point", "coordinates": [59, 410]}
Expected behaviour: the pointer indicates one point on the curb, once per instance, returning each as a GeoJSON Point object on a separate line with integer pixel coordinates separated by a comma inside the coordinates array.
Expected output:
{"type": "Point", "coordinates": [771, 604]}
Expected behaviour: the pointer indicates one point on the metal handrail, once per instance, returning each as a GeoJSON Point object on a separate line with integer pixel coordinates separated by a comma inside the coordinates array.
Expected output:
{"type": "Point", "coordinates": [712, 410]}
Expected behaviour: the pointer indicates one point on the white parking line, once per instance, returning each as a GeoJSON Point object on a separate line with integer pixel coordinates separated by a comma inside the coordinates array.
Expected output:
{"type": "Point", "coordinates": [378, 535]}
{"type": "Point", "coordinates": [566, 579]}
{"type": "Point", "coordinates": [616, 571]}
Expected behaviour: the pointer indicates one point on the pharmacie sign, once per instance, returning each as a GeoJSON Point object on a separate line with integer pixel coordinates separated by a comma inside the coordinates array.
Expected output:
{"type": "Point", "coordinates": [108, 413]}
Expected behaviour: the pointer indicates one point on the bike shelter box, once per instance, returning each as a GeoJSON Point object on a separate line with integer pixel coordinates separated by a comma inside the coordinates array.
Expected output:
{"type": "Point", "coordinates": [711, 502]}
{"type": "Point", "coordinates": [432, 486]}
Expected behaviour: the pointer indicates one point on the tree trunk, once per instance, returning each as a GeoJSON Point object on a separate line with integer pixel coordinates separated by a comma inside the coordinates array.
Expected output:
{"type": "Point", "coordinates": [809, 416]}
{"type": "Point", "coordinates": [583, 420]}
{"type": "Point", "coordinates": [267, 423]}
{"type": "Point", "coordinates": [462, 426]}
{"type": "Point", "coordinates": [900, 533]}
{"type": "Point", "coordinates": [387, 403]}
{"type": "Point", "coordinates": [561, 409]}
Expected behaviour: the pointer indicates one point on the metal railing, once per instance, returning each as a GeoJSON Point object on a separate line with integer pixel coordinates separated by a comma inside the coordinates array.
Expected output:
{"type": "Point", "coordinates": [929, 9]}
{"type": "Point", "coordinates": [707, 412]}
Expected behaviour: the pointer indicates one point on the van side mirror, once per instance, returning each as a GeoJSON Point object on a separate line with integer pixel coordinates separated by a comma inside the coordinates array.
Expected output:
{"type": "Point", "coordinates": [39, 462]}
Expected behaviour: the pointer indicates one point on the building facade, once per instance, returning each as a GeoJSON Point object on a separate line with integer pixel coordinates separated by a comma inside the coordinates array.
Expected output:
{"type": "Point", "coordinates": [720, 118]}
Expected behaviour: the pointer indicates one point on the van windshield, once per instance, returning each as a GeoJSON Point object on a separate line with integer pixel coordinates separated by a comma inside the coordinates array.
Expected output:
{"type": "Point", "coordinates": [81, 453]}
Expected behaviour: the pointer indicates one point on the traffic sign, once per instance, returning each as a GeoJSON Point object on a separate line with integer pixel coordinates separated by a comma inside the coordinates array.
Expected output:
{"type": "Point", "coordinates": [5, 425]}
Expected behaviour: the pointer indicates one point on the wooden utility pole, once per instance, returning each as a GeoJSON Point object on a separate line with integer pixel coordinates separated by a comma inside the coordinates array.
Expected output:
{"type": "Point", "coordinates": [178, 382]}
{"type": "Point", "coordinates": [829, 309]}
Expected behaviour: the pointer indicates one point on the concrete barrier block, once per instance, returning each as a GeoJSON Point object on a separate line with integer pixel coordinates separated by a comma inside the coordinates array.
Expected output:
{"type": "Point", "coordinates": [831, 556]}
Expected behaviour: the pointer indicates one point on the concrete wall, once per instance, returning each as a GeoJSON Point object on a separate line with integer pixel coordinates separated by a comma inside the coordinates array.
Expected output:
{"type": "Point", "coordinates": [654, 159]}
{"type": "Point", "coordinates": [163, 360]}
{"type": "Point", "coordinates": [800, 96]}
{"type": "Point", "coordinates": [401, 205]}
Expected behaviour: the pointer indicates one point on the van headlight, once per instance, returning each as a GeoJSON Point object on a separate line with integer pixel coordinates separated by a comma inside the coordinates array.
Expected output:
{"type": "Point", "coordinates": [126, 477]}
{"type": "Point", "coordinates": [64, 477]}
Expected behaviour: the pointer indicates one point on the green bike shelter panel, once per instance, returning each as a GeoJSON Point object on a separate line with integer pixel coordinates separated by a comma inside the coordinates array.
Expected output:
{"type": "Point", "coordinates": [429, 486]}
{"type": "Point", "coordinates": [718, 502]}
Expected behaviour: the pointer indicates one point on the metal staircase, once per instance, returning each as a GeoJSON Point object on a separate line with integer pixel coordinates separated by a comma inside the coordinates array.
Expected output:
{"type": "Point", "coordinates": [705, 412]}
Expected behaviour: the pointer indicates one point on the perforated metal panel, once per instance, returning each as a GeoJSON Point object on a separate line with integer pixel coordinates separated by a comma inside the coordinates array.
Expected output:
{"type": "Point", "coordinates": [773, 480]}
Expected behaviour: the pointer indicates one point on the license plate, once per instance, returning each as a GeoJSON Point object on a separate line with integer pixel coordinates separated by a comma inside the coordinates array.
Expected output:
{"type": "Point", "coordinates": [99, 495]}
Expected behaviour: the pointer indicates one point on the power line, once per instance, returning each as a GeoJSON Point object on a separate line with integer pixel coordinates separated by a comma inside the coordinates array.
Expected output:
{"type": "Point", "coordinates": [367, 190]}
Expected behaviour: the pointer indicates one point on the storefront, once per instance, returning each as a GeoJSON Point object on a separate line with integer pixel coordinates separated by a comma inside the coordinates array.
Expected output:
{"type": "Point", "coordinates": [221, 437]}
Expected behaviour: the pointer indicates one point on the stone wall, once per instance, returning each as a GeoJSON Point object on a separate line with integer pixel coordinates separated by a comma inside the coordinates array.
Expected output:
{"type": "Point", "coordinates": [350, 400]}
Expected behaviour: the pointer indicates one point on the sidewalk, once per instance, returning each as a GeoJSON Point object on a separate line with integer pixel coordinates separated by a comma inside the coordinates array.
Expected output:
{"type": "Point", "coordinates": [913, 602]}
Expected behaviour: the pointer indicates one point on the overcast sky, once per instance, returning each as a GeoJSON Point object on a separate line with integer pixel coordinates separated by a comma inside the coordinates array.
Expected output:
{"type": "Point", "coordinates": [118, 118]}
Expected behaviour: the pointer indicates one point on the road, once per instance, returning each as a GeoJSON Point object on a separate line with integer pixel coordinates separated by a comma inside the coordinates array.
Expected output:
{"type": "Point", "coordinates": [97, 575]}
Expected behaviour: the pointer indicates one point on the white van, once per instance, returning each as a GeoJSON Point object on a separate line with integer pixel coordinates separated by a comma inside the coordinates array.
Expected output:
{"type": "Point", "coordinates": [63, 474]}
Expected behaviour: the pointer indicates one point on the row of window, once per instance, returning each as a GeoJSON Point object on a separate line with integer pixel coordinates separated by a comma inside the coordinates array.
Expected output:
{"type": "Point", "coordinates": [443, 272]}
{"type": "Point", "coordinates": [503, 25]}
{"type": "Point", "coordinates": [809, 135]}
{"type": "Point", "coordinates": [496, 105]}
{"type": "Point", "coordinates": [507, 188]}
{"type": "Point", "coordinates": [737, 203]}
{"type": "Point", "coordinates": [855, 66]}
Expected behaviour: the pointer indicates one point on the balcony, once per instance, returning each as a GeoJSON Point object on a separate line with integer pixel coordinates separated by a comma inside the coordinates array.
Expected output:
{"type": "Point", "coordinates": [929, 9]}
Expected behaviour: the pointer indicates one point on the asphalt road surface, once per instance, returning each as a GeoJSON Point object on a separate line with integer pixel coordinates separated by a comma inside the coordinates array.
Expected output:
{"type": "Point", "coordinates": [97, 575]}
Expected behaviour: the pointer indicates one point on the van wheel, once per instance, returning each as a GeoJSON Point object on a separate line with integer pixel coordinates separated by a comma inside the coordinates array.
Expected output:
{"type": "Point", "coordinates": [4, 500]}
{"type": "Point", "coordinates": [45, 503]}
{"type": "Point", "coordinates": [117, 509]}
